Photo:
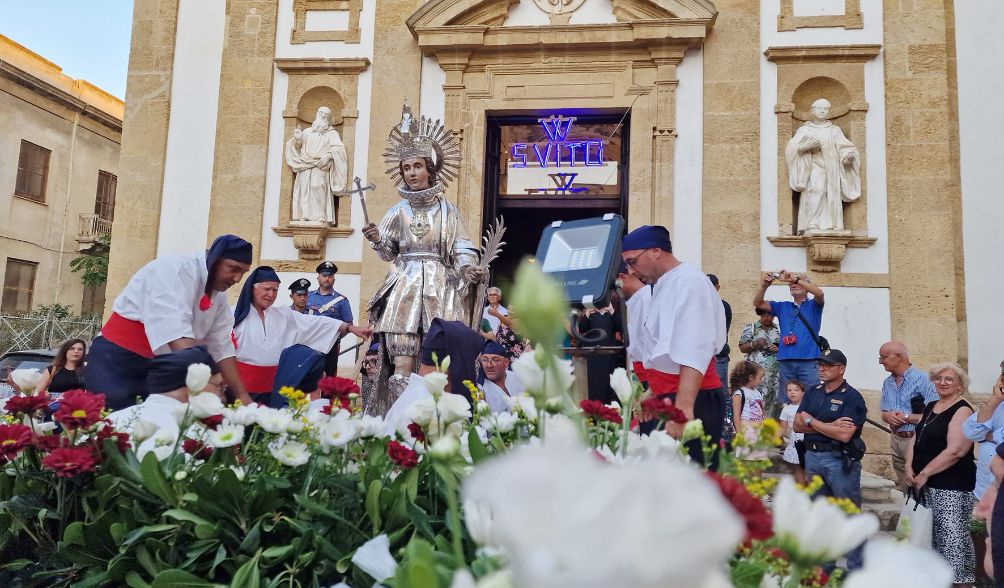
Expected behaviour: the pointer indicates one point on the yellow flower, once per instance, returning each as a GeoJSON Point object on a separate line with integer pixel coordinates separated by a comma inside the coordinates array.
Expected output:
{"type": "Point", "coordinates": [844, 504]}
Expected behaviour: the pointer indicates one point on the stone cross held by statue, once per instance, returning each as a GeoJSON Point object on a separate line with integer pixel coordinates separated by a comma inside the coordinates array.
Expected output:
{"type": "Point", "coordinates": [361, 190]}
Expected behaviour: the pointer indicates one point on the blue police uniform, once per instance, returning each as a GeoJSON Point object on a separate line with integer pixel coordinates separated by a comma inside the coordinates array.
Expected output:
{"type": "Point", "coordinates": [823, 455]}
{"type": "Point", "coordinates": [340, 310]}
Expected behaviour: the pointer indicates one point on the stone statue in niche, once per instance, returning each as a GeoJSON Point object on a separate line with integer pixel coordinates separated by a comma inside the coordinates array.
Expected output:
{"type": "Point", "coordinates": [825, 167]}
{"type": "Point", "coordinates": [317, 157]}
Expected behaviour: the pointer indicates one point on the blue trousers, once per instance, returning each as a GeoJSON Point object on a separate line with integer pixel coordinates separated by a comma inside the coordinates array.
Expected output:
{"type": "Point", "coordinates": [829, 465]}
{"type": "Point", "coordinates": [117, 373]}
{"type": "Point", "coordinates": [722, 367]}
{"type": "Point", "coordinates": [803, 370]}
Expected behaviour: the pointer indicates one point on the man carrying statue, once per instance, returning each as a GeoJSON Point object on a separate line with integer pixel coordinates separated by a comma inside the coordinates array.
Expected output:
{"type": "Point", "coordinates": [435, 268]}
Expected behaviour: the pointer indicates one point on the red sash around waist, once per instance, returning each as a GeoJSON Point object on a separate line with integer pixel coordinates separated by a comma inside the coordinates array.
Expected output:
{"type": "Point", "coordinates": [257, 378]}
{"type": "Point", "coordinates": [663, 383]}
{"type": "Point", "coordinates": [127, 334]}
{"type": "Point", "coordinates": [640, 371]}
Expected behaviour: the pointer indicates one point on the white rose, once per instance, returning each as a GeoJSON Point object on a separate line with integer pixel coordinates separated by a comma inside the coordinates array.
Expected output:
{"type": "Point", "coordinates": [374, 558]}
{"type": "Point", "coordinates": [290, 453]}
{"type": "Point", "coordinates": [26, 379]}
{"type": "Point", "coordinates": [422, 411]}
{"type": "Point", "coordinates": [273, 420]}
{"type": "Point", "coordinates": [205, 404]}
{"type": "Point", "coordinates": [435, 382]}
{"type": "Point", "coordinates": [452, 408]}
{"type": "Point", "coordinates": [371, 426]}
{"type": "Point", "coordinates": [501, 422]}
{"type": "Point", "coordinates": [337, 433]}
{"type": "Point", "coordinates": [525, 405]}
{"type": "Point", "coordinates": [197, 378]}
{"type": "Point", "coordinates": [445, 447]}
{"type": "Point", "coordinates": [622, 385]}
{"type": "Point", "coordinates": [242, 415]}
{"type": "Point", "coordinates": [143, 430]}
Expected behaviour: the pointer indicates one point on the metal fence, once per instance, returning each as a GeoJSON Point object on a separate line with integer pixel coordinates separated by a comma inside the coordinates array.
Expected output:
{"type": "Point", "coordinates": [19, 332]}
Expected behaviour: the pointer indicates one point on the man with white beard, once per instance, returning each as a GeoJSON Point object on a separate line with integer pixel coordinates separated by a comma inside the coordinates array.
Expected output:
{"type": "Point", "coordinates": [317, 157]}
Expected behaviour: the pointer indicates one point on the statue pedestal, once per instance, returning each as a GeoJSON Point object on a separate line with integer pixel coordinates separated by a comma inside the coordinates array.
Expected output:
{"type": "Point", "coordinates": [824, 250]}
{"type": "Point", "coordinates": [309, 237]}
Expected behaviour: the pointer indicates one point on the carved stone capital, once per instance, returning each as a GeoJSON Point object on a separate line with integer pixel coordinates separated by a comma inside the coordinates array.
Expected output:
{"type": "Point", "coordinates": [824, 250]}
{"type": "Point", "coordinates": [309, 239]}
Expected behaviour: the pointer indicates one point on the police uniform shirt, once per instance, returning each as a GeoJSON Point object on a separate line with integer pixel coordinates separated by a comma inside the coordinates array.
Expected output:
{"type": "Point", "coordinates": [340, 310]}
{"type": "Point", "coordinates": [845, 401]}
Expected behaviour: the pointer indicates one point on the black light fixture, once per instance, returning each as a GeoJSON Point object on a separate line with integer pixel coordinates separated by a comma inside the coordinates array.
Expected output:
{"type": "Point", "coordinates": [583, 256]}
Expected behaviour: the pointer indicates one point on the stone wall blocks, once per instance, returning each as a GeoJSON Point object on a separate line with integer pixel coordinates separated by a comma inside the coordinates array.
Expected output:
{"type": "Point", "coordinates": [927, 59]}
{"type": "Point", "coordinates": [728, 129]}
{"type": "Point", "coordinates": [731, 97]}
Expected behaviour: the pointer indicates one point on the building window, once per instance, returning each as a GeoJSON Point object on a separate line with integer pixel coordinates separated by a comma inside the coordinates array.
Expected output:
{"type": "Point", "coordinates": [104, 203]}
{"type": "Point", "coordinates": [93, 301]}
{"type": "Point", "coordinates": [32, 172]}
{"type": "Point", "coordinates": [18, 285]}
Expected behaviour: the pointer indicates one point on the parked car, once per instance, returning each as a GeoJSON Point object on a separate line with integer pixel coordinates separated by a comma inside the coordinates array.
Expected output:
{"type": "Point", "coordinates": [32, 359]}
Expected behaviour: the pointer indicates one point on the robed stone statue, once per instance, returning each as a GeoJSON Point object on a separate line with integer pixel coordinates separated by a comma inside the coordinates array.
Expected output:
{"type": "Point", "coordinates": [317, 157]}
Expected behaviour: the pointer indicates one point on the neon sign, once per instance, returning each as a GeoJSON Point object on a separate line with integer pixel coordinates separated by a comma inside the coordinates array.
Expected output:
{"type": "Point", "coordinates": [558, 151]}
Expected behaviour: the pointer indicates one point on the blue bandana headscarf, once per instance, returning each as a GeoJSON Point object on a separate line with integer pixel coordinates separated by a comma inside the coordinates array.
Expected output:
{"type": "Point", "coordinates": [647, 237]}
{"type": "Point", "coordinates": [300, 368]}
{"type": "Point", "coordinates": [169, 371]}
{"type": "Point", "coordinates": [260, 274]}
{"type": "Point", "coordinates": [226, 247]}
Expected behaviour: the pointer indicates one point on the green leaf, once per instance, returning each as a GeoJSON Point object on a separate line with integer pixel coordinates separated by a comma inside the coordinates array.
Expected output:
{"type": "Point", "coordinates": [373, 505]}
{"type": "Point", "coordinates": [179, 579]}
{"type": "Point", "coordinates": [277, 552]}
{"type": "Point", "coordinates": [153, 479]}
{"type": "Point", "coordinates": [74, 534]}
{"type": "Point", "coordinates": [477, 448]}
{"type": "Point", "coordinates": [17, 564]}
{"type": "Point", "coordinates": [180, 514]}
{"type": "Point", "coordinates": [411, 484]}
{"type": "Point", "coordinates": [247, 576]}
{"type": "Point", "coordinates": [748, 574]}
{"type": "Point", "coordinates": [134, 580]}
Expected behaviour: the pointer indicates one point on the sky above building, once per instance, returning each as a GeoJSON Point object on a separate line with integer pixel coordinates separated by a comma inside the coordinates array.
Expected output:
{"type": "Point", "coordinates": [88, 39]}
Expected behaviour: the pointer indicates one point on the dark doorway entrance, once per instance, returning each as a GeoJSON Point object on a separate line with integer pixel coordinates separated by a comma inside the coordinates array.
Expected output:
{"type": "Point", "coordinates": [549, 166]}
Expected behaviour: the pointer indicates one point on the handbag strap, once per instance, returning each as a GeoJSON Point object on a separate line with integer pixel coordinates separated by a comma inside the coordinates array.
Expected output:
{"type": "Point", "coordinates": [812, 332]}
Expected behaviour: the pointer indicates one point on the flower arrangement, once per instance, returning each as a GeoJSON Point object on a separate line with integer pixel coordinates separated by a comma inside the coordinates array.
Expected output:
{"type": "Point", "coordinates": [548, 494]}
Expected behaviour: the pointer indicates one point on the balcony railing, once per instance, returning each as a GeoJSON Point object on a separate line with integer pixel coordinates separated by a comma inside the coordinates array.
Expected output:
{"type": "Point", "coordinates": [91, 226]}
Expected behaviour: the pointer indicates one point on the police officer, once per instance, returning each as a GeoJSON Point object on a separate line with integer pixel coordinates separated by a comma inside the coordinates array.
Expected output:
{"type": "Point", "coordinates": [298, 292]}
{"type": "Point", "coordinates": [831, 416]}
{"type": "Point", "coordinates": [325, 301]}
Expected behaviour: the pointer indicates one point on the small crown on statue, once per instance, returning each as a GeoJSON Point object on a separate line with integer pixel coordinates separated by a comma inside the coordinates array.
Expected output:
{"type": "Point", "coordinates": [413, 146]}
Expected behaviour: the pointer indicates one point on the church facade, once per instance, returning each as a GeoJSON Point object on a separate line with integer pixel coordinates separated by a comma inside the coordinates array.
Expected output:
{"type": "Point", "coordinates": [672, 112]}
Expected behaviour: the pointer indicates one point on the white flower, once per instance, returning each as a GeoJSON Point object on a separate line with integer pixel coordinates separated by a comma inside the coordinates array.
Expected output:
{"type": "Point", "coordinates": [273, 420]}
{"type": "Point", "coordinates": [892, 564]}
{"type": "Point", "coordinates": [501, 422]}
{"type": "Point", "coordinates": [435, 382]}
{"type": "Point", "coordinates": [197, 377]}
{"type": "Point", "coordinates": [374, 558]}
{"type": "Point", "coordinates": [525, 405]}
{"type": "Point", "coordinates": [574, 504]}
{"type": "Point", "coordinates": [290, 453]}
{"type": "Point", "coordinates": [242, 415]}
{"type": "Point", "coordinates": [453, 408]}
{"type": "Point", "coordinates": [445, 447]}
{"type": "Point", "coordinates": [205, 404]}
{"type": "Point", "coordinates": [463, 579]}
{"type": "Point", "coordinates": [622, 385]}
{"type": "Point", "coordinates": [482, 407]}
{"type": "Point", "coordinates": [337, 433]}
{"type": "Point", "coordinates": [180, 475]}
{"type": "Point", "coordinates": [500, 579]}
{"type": "Point", "coordinates": [421, 412]}
{"type": "Point", "coordinates": [162, 444]}
{"type": "Point", "coordinates": [143, 430]}
{"type": "Point", "coordinates": [552, 382]}
{"type": "Point", "coordinates": [657, 444]}
{"type": "Point", "coordinates": [26, 379]}
{"type": "Point", "coordinates": [226, 435]}
{"type": "Point", "coordinates": [478, 519]}
{"type": "Point", "coordinates": [240, 472]}
{"type": "Point", "coordinates": [817, 531]}
{"type": "Point", "coordinates": [371, 426]}
{"type": "Point", "coordinates": [445, 364]}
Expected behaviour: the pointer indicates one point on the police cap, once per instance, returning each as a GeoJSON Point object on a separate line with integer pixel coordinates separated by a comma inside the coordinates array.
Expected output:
{"type": "Point", "coordinates": [327, 268]}
{"type": "Point", "coordinates": [301, 286]}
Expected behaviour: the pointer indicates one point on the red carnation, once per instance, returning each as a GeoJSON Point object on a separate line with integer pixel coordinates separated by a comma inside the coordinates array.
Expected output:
{"type": "Point", "coordinates": [416, 431]}
{"type": "Point", "coordinates": [196, 449]}
{"type": "Point", "coordinates": [67, 462]}
{"type": "Point", "coordinates": [205, 303]}
{"type": "Point", "coordinates": [48, 443]}
{"type": "Point", "coordinates": [338, 390]}
{"type": "Point", "coordinates": [663, 408]}
{"type": "Point", "coordinates": [759, 523]}
{"type": "Point", "coordinates": [600, 412]}
{"type": "Point", "coordinates": [401, 455]}
{"type": "Point", "coordinates": [212, 421]}
{"type": "Point", "coordinates": [79, 409]}
{"type": "Point", "coordinates": [13, 438]}
{"type": "Point", "coordinates": [109, 432]}
{"type": "Point", "coordinates": [27, 404]}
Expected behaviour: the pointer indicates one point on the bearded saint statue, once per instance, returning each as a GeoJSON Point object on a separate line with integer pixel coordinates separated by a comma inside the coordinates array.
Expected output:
{"type": "Point", "coordinates": [317, 157]}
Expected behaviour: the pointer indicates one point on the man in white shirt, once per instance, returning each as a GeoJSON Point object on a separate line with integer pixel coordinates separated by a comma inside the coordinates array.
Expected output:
{"type": "Point", "coordinates": [499, 383]}
{"type": "Point", "coordinates": [686, 323]}
{"type": "Point", "coordinates": [262, 332]}
{"type": "Point", "coordinates": [171, 303]}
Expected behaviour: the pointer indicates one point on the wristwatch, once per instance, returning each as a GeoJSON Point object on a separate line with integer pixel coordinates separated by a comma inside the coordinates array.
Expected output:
{"type": "Point", "coordinates": [807, 421]}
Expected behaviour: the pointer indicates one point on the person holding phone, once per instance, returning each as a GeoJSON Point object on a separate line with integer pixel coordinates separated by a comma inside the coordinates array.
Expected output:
{"type": "Point", "coordinates": [798, 350]}
{"type": "Point", "coordinates": [985, 428]}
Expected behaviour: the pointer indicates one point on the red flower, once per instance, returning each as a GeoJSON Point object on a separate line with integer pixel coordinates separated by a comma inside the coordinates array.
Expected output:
{"type": "Point", "coordinates": [27, 404]}
{"type": "Point", "coordinates": [196, 449]}
{"type": "Point", "coordinates": [205, 303]}
{"type": "Point", "coordinates": [401, 455]}
{"type": "Point", "coordinates": [109, 432]}
{"type": "Point", "coordinates": [79, 409]}
{"type": "Point", "coordinates": [335, 386]}
{"type": "Point", "coordinates": [48, 443]}
{"type": "Point", "coordinates": [759, 523]}
{"type": "Point", "coordinates": [213, 421]}
{"type": "Point", "coordinates": [600, 412]}
{"type": "Point", "coordinates": [663, 408]}
{"type": "Point", "coordinates": [13, 438]}
{"type": "Point", "coordinates": [416, 431]}
{"type": "Point", "coordinates": [69, 461]}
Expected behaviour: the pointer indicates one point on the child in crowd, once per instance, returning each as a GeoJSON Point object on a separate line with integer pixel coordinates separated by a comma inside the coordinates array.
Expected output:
{"type": "Point", "coordinates": [791, 453]}
{"type": "Point", "coordinates": [747, 401]}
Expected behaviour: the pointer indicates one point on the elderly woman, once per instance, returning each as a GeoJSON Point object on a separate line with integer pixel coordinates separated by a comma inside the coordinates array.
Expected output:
{"type": "Point", "coordinates": [940, 463]}
{"type": "Point", "coordinates": [494, 312]}
{"type": "Point", "coordinates": [759, 341]}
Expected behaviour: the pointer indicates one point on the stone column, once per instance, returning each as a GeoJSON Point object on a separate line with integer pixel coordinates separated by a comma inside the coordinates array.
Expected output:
{"type": "Point", "coordinates": [664, 132]}
{"type": "Point", "coordinates": [453, 63]}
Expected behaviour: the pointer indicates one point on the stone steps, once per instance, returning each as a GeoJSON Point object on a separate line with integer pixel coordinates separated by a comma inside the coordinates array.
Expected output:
{"type": "Point", "coordinates": [880, 497]}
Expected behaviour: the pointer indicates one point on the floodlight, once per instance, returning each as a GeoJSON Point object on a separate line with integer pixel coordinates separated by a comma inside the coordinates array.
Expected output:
{"type": "Point", "coordinates": [583, 255]}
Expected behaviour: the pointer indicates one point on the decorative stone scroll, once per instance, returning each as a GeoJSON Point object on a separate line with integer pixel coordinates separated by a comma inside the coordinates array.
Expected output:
{"type": "Point", "coordinates": [850, 19]}
{"type": "Point", "coordinates": [300, 34]}
{"type": "Point", "coordinates": [559, 11]}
